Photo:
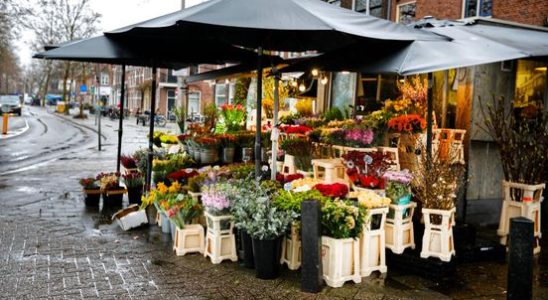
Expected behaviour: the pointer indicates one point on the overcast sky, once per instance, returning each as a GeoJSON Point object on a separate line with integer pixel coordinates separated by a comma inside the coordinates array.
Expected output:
{"type": "Point", "coordinates": [116, 14]}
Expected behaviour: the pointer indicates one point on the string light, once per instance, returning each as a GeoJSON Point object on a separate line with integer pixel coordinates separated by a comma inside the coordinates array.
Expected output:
{"type": "Point", "coordinates": [324, 80]}
{"type": "Point", "coordinates": [315, 72]}
{"type": "Point", "coordinates": [302, 88]}
{"type": "Point", "coordinates": [293, 83]}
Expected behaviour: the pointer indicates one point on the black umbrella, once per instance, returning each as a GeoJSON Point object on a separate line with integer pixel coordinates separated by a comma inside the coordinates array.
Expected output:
{"type": "Point", "coordinates": [283, 25]}
{"type": "Point", "coordinates": [148, 51]}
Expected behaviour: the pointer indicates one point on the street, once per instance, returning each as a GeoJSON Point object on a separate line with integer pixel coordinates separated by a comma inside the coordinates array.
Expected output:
{"type": "Point", "coordinates": [53, 247]}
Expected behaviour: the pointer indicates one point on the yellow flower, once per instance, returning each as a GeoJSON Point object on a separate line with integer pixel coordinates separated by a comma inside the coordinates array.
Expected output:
{"type": "Point", "coordinates": [174, 188]}
{"type": "Point", "coordinates": [350, 222]}
{"type": "Point", "coordinates": [162, 188]}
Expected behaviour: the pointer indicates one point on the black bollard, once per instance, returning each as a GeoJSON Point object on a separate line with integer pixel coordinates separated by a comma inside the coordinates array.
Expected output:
{"type": "Point", "coordinates": [311, 248]}
{"type": "Point", "coordinates": [520, 259]}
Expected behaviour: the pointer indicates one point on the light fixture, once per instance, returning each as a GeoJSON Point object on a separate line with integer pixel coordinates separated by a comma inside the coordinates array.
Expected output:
{"type": "Point", "coordinates": [315, 72]}
{"type": "Point", "coordinates": [324, 80]}
{"type": "Point", "coordinates": [541, 69]}
{"type": "Point", "coordinates": [345, 72]}
{"type": "Point", "coordinates": [402, 80]}
{"type": "Point", "coordinates": [302, 88]}
{"type": "Point", "coordinates": [294, 83]}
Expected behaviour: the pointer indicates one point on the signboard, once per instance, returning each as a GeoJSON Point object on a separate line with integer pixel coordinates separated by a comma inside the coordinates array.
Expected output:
{"type": "Point", "coordinates": [83, 89]}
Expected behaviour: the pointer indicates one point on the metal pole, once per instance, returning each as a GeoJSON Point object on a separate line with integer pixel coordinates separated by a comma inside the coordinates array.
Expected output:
{"type": "Point", "coordinates": [274, 128]}
{"type": "Point", "coordinates": [429, 121]}
{"type": "Point", "coordinates": [259, 112]}
{"type": "Point", "coordinates": [120, 126]}
{"type": "Point", "coordinates": [98, 80]}
{"type": "Point", "coordinates": [151, 131]}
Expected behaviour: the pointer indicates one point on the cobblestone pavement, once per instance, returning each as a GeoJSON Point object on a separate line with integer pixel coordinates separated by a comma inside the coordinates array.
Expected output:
{"type": "Point", "coordinates": [52, 247]}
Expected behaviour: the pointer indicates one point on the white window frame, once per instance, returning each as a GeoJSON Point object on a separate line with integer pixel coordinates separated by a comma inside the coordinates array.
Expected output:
{"type": "Point", "coordinates": [477, 10]}
{"type": "Point", "coordinates": [199, 93]}
{"type": "Point", "coordinates": [225, 95]}
{"type": "Point", "coordinates": [174, 97]}
{"type": "Point", "coordinates": [103, 77]}
{"type": "Point", "coordinates": [398, 9]}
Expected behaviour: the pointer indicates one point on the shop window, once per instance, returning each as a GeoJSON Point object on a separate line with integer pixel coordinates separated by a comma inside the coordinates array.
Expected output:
{"type": "Point", "coordinates": [478, 8]}
{"type": "Point", "coordinates": [193, 103]}
{"type": "Point", "coordinates": [530, 84]}
{"type": "Point", "coordinates": [373, 90]}
{"type": "Point", "coordinates": [370, 7]}
{"type": "Point", "coordinates": [221, 94]}
{"type": "Point", "coordinates": [343, 90]}
{"type": "Point", "coordinates": [406, 12]}
{"type": "Point", "coordinates": [170, 99]}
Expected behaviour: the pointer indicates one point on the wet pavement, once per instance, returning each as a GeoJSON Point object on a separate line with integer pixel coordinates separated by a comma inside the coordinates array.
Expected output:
{"type": "Point", "coordinates": [52, 247]}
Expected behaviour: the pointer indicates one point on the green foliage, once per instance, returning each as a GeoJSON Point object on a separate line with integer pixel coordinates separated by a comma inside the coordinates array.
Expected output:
{"type": "Point", "coordinates": [241, 89]}
{"type": "Point", "coordinates": [333, 114]}
{"type": "Point", "coordinates": [180, 116]}
{"type": "Point", "coordinates": [291, 201]}
{"type": "Point", "coordinates": [342, 219]}
{"type": "Point", "coordinates": [297, 147]}
{"type": "Point", "coordinates": [210, 114]}
{"type": "Point", "coordinates": [195, 183]}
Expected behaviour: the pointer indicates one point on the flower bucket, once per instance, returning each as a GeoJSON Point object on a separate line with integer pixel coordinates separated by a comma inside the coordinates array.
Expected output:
{"type": "Point", "coordinates": [267, 258]}
{"type": "Point", "coordinates": [196, 155]}
{"type": "Point", "coordinates": [92, 197]}
{"type": "Point", "coordinates": [152, 212]}
{"type": "Point", "coordinates": [405, 200]}
{"type": "Point", "coordinates": [247, 247]}
{"type": "Point", "coordinates": [113, 198]}
{"type": "Point", "coordinates": [172, 229]}
{"type": "Point", "coordinates": [208, 156]}
{"type": "Point", "coordinates": [134, 195]}
{"type": "Point", "coordinates": [228, 155]}
{"type": "Point", "coordinates": [164, 220]}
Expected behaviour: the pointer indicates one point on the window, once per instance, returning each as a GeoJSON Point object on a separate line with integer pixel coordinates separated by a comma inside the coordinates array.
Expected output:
{"type": "Point", "coordinates": [170, 77]}
{"type": "Point", "coordinates": [170, 99]}
{"type": "Point", "coordinates": [193, 103]}
{"type": "Point", "coordinates": [370, 7]}
{"type": "Point", "coordinates": [334, 2]}
{"type": "Point", "coordinates": [343, 90]}
{"type": "Point", "coordinates": [105, 79]}
{"type": "Point", "coordinates": [221, 94]}
{"type": "Point", "coordinates": [478, 8]}
{"type": "Point", "coordinates": [406, 13]}
{"type": "Point", "coordinates": [530, 84]}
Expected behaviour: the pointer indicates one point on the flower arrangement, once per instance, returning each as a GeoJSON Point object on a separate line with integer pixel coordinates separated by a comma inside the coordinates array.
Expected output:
{"type": "Point", "coordinates": [345, 123]}
{"type": "Point", "coordinates": [215, 198]}
{"type": "Point", "coordinates": [283, 179]}
{"type": "Point", "coordinates": [300, 148]}
{"type": "Point", "coordinates": [183, 210]}
{"type": "Point", "coordinates": [183, 138]}
{"type": "Point", "coordinates": [109, 181]}
{"type": "Point", "coordinates": [133, 180]}
{"type": "Point", "coordinates": [89, 183]}
{"type": "Point", "coordinates": [207, 142]}
{"type": "Point", "coordinates": [333, 190]}
{"type": "Point", "coordinates": [171, 163]}
{"type": "Point", "coordinates": [398, 184]}
{"type": "Point", "coordinates": [295, 129]}
{"type": "Point", "coordinates": [369, 199]}
{"type": "Point", "coordinates": [303, 184]}
{"type": "Point", "coordinates": [341, 219]}
{"type": "Point", "coordinates": [128, 162]}
{"type": "Point", "coordinates": [304, 107]}
{"type": "Point", "coordinates": [227, 140]}
{"type": "Point", "coordinates": [358, 137]}
{"type": "Point", "coordinates": [407, 124]}
{"type": "Point", "coordinates": [366, 169]}
{"type": "Point", "coordinates": [291, 201]}
{"type": "Point", "coordinates": [169, 139]}
{"type": "Point", "coordinates": [412, 99]}
{"type": "Point", "coordinates": [182, 175]}
{"type": "Point", "coordinates": [233, 116]}
{"type": "Point", "coordinates": [141, 157]}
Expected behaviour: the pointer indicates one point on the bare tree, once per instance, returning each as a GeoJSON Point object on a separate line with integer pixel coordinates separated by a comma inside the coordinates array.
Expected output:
{"type": "Point", "coordinates": [56, 21]}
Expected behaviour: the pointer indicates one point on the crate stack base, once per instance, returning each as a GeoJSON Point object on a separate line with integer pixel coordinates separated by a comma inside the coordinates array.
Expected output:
{"type": "Point", "coordinates": [291, 249]}
{"type": "Point", "coordinates": [399, 228]}
{"type": "Point", "coordinates": [220, 241]}
{"type": "Point", "coordinates": [372, 243]}
{"type": "Point", "coordinates": [190, 239]}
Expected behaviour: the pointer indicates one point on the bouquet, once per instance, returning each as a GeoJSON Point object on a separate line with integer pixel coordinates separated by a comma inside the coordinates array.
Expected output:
{"type": "Point", "coordinates": [109, 181]}
{"type": "Point", "coordinates": [407, 124]}
{"type": "Point", "coordinates": [295, 129]}
{"type": "Point", "coordinates": [182, 175]}
{"type": "Point", "coordinates": [370, 199]}
{"type": "Point", "coordinates": [128, 162]}
{"type": "Point", "coordinates": [233, 116]}
{"type": "Point", "coordinates": [398, 186]}
{"type": "Point", "coordinates": [89, 183]}
{"type": "Point", "coordinates": [366, 169]}
{"type": "Point", "coordinates": [341, 219]}
{"type": "Point", "coordinates": [215, 198]}
{"type": "Point", "coordinates": [358, 137]}
{"type": "Point", "coordinates": [283, 179]}
{"type": "Point", "coordinates": [334, 190]}
{"type": "Point", "coordinates": [183, 210]}
{"type": "Point", "coordinates": [133, 180]}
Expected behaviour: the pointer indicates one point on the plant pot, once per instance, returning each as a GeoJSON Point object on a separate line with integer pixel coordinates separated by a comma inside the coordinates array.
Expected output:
{"type": "Point", "coordinates": [113, 198]}
{"type": "Point", "coordinates": [267, 258]}
{"type": "Point", "coordinates": [164, 220]}
{"type": "Point", "coordinates": [403, 201]}
{"type": "Point", "coordinates": [247, 155]}
{"type": "Point", "coordinates": [134, 195]}
{"type": "Point", "coordinates": [208, 156]}
{"type": "Point", "coordinates": [340, 261]}
{"type": "Point", "coordinates": [172, 229]}
{"type": "Point", "coordinates": [437, 240]}
{"type": "Point", "coordinates": [196, 155]}
{"type": "Point", "coordinates": [92, 197]}
{"type": "Point", "coordinates": [152, 212]}
{"type": "Point", "coordinates": [247, 246]}
{"type": "Point", "coordinates": [228, 155]}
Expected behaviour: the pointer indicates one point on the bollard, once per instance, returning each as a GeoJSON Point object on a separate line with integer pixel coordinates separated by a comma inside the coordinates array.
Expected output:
{"type": "Point", "coordinates": [520, 259]}
{"type": "Point", "coordinates": [5, 124]}
{"type": "Point", "coordinates": [311, 263]}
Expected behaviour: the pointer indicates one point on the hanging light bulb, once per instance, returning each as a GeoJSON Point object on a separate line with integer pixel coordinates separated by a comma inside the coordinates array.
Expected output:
{"type": "Point", "coordinates": [315, 72]}
{"type": "Point", "coordinates": [302, 88]}
{"type": "Point", "coordinates": [324, 80]}
{"type": "Point", "coordinates": [293, 83]}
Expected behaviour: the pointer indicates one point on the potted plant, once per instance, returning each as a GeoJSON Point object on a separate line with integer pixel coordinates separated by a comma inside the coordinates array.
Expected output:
{"type": "Point", "coordinates": [91, 190]}
{"type": "Point", "coordinates": [341, 225]}
{"type": "Point", "coordinates": [233, 117]}
{"type": "Point", "coordinates": [113, 193]}
{"type": "Point", "coordinates": [228, 143]}
{"type": "Point", "coordinates": [398, 188]}
{"type": "Point", "coordinates": [521, 135]}
{"type": "Point", "coordinates": [255, 213]}
{"type": "Point", "coordinates": [301, 150]}
{"type": "Point", "coordinates": [220, 239]}
{"type": "Point", "coordinates": [435, 186]}
{"type": "Point", "coordinates": [208, 149]}
{"type": "Point", "coordinates": [128, 162]}
{"type": "Point", "coordinates": [365, 169]}
{"type": "Point", "coordinates": [187, 237]}
{"type": "Point", "coordinates": [134, 182]}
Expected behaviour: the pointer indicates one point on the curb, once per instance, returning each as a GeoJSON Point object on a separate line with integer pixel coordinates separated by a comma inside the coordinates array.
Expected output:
{"type": "Point", "coordinates": [17, 132]}
{"type": "Point", "coordinates": [77, 124]}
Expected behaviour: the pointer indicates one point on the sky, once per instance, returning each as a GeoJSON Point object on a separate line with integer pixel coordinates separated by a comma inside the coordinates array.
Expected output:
{"type": "Point", "coordinates": [115, 14]}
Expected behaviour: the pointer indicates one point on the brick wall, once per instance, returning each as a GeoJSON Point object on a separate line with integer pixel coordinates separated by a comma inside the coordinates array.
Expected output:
{"type": "Point", "coordinates": [446, 9]}
{"type": "Point", "coordinates": [533, 12]}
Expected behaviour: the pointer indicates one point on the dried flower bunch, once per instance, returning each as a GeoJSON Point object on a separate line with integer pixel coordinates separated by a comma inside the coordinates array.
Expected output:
{"type": "Point", "coordinates": [522, 139]}
{"type": "Point", "coordinates": [437, 181]}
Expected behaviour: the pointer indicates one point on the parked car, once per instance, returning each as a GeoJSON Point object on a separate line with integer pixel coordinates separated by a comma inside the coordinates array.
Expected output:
{"type": "Point", "coordinates": [12, 102]}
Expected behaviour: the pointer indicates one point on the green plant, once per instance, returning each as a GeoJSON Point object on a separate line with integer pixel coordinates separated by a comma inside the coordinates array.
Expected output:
{"type": "Point", "coordinates": [302, 150]}
{"type": "Point", "coordinates": [332, 114]}
{"type": "Point", "coordinates": [133, 179]}
{"type": "Point", "coordinates": [342, 219]}
{"type": "Point", "coordinates": [184, 210]}
{"type": "Point", "coordinates": [291, 201]}
{"type": "Point", "coordinates": [180, 116]}
{"type": "Point", "coordinates": [233, 117]}
{"type": "Point", "coordinates": [241, 88]}
{"type": "Point", "coordinates": [210, 114]}
{"type": "Point", "coordinates": [195, 183]}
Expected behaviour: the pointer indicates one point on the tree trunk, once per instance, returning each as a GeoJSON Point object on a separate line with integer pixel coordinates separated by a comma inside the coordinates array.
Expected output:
{"type": "Point", "coordinates": [81, 113]}
{"type": "Point", "coordinates": [65, 79]}
{"type": "Point", "coordinates": [45, 90]}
